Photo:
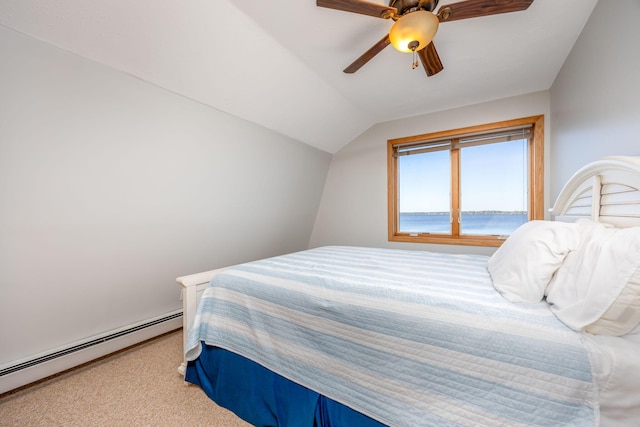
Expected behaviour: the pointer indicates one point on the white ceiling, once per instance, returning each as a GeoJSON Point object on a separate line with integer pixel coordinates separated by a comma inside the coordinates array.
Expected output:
{"type": "Point", "coordinates": [279, 63]}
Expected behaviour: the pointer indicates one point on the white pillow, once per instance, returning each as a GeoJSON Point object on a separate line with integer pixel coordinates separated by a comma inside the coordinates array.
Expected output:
{"type": "Point", "coordinates": [596, 289]}
{"type": "Point", "coordinates": [523, 266]}
{"type": "Point", "coordinates": [623, 315]}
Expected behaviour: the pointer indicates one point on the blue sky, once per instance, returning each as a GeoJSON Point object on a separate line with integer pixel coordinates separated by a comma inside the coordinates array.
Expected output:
{"type": "Point", "coordinates": [494, 177]}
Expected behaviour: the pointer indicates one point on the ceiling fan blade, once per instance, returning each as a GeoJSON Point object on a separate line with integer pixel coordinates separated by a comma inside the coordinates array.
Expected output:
{"type": "Point", "coordinates": [359, 6]}
{"type": "Point", "coordinates": [430, 60]}
{"type": "Point", "coordinates": [366, 57]}
{"type": "Point", "coordinates": [475, 8]}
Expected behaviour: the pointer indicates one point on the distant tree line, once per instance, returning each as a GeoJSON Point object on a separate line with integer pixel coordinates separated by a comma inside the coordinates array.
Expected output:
{"type": "Point", "coordinates": [469, 213]}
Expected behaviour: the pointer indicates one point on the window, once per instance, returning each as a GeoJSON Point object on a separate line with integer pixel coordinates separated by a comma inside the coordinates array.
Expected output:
{"type": "Point", "coordinates": [470, 186]}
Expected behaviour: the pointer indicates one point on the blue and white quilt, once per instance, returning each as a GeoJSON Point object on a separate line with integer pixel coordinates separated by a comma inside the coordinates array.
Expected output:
{"type": "Point", "coordinates": [409, 338]}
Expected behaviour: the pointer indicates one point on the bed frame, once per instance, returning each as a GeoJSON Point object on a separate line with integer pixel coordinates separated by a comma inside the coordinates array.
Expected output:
{"type": "Point", "coordinates": [606, 190]}
{"type": "Point", "coordinates": [192, 287]}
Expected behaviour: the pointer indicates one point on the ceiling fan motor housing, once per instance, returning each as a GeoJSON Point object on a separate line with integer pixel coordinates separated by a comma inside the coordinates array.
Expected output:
{"type": "Point", "coordinates": [406, 6]}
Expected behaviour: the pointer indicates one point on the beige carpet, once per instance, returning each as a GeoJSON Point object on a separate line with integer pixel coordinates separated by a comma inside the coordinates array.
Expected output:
{"type": "Point", "coordinates": [139, 386]}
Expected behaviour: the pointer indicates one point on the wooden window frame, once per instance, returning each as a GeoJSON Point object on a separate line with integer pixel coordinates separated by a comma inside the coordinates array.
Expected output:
{"type": "Point", "coordinates": [536, 182]}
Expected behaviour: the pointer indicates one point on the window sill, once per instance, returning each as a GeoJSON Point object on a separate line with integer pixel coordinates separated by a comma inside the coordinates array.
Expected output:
{"type": "Point", "coordinates": [491, 241]}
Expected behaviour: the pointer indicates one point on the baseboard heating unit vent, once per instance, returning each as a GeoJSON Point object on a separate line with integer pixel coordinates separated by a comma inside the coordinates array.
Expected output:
{"type": "Point", "coordinates": [24, 372]}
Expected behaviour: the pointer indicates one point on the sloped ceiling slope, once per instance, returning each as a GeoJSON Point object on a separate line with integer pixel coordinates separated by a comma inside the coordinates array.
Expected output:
{"type": "Point", "coordinates": [279, 63]}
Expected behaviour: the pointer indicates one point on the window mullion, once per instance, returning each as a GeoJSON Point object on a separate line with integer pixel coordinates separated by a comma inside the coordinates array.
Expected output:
{"type": "Point", "coordinates": [455, 189]}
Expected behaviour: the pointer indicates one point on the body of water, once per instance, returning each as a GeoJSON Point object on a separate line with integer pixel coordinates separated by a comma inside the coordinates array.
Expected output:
{"type": "Point", "coordinates": [472, 223]}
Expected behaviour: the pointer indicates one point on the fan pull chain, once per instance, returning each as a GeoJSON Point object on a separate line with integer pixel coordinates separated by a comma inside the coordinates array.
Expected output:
{"type": "Point", "coordinates": [414, 47]}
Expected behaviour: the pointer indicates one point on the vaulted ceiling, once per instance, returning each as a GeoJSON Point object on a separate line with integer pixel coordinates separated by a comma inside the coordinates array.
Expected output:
{"type": "Point", "coordinates": [279, 63]}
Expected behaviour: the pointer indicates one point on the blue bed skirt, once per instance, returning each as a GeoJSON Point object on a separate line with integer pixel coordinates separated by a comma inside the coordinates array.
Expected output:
{"type": "Point", "coordinates": [263, 398]}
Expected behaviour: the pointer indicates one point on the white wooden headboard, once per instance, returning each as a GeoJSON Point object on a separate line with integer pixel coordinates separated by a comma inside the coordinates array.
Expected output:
{"type": "Point", "coordinates": [607, 190]}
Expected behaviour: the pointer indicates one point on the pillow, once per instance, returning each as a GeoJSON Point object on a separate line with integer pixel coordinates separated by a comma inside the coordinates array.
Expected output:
{"type": "Point", "coordinates": [523, 266]}
{"type": "Point", "coordinates": [597, 288]}
{"type": "Point", "coordinates": [623, 315]}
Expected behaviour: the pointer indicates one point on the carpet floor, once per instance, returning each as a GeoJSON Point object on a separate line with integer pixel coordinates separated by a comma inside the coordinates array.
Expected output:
{"type": "Point", "coordinates": [139, 386]}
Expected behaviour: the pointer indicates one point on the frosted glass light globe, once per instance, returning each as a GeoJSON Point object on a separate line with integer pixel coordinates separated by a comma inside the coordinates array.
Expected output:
{"type": "Point", "coordinates": [420, 26]}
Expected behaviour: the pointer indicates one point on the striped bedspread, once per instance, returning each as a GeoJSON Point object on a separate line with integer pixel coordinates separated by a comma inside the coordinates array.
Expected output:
{"type": "Point", "coordinates": [409, 338]}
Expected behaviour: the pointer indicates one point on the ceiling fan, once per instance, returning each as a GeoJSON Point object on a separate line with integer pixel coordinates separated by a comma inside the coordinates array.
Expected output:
{"type": "Point", "coordinates": [416, 24]}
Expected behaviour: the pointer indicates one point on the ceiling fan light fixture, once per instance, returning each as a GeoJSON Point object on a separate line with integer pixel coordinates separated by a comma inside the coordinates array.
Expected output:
{"type": "Point", "coordinates": [419, 26]}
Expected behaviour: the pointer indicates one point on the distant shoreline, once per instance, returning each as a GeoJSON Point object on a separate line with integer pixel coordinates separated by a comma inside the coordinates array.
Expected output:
{"type": "Point", "coordinates": [469, 213]}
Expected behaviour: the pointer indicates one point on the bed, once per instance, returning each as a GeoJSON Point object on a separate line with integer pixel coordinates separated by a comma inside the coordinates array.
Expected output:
{"type": "Point", "coordinates": [544, 332]}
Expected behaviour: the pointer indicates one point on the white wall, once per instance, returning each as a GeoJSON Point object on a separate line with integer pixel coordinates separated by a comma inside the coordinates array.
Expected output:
{"type": "Point", "coordinates": [595, 99]}
{"type": "Point", "coordinates": [110, 188]}
{"type": "Point", "coordinates": [353, 210]}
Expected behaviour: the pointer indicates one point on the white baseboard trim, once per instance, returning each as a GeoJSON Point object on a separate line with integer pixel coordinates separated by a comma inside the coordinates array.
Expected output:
{"type": "Point", "coordinates": [27, 371]}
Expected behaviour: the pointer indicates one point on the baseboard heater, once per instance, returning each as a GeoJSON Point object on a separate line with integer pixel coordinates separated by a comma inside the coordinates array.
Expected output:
{"type": "Point", "coordinates": [24, 372]}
